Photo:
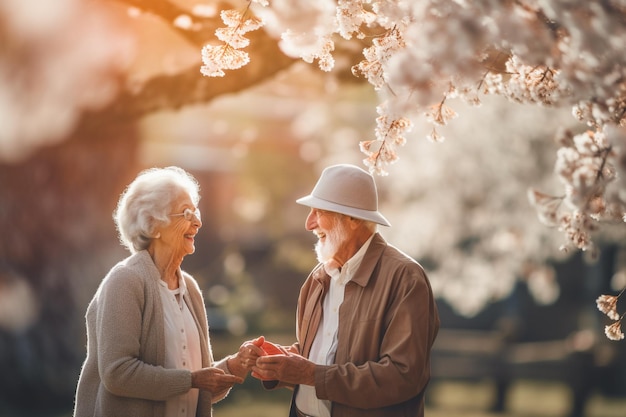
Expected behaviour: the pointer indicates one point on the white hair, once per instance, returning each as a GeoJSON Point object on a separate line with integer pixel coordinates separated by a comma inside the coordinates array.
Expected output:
{"type": "Point", "coordinates": [147, 201]}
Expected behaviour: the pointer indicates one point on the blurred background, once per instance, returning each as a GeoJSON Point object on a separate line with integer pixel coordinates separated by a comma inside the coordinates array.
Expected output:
{"type": "Point", "coordinates": [93, 92]}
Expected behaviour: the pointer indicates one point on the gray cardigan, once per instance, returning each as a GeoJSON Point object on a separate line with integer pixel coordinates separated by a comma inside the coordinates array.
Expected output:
{"type": "Point", "coordinates": [123, 373]}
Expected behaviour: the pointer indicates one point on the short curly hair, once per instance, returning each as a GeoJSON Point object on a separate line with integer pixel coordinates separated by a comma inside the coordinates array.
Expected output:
{"type": "Point", "coordinates": [147, 202]}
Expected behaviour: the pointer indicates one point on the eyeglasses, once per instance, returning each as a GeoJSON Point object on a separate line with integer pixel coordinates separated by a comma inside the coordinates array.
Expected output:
{"type": "Point", "coordinates": [189, 214]}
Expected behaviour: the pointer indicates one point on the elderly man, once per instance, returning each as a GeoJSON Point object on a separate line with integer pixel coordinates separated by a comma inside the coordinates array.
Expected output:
{"type": "Point", "coordinates": [366, 318]}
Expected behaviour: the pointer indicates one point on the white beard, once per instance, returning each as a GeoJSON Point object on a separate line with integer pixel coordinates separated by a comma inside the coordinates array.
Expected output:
{"type": "Point", "coordinates": [335, 237]}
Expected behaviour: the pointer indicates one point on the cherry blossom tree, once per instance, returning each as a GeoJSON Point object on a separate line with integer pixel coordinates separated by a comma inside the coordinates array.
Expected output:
{"type": "Point", "coordinates": [419, 56]}
{"type": "Point", "coordinates": [425, 61]}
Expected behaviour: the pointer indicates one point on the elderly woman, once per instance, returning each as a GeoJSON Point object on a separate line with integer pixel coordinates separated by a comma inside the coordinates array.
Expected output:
{"type": "Point", "coordinates": [148, 347]}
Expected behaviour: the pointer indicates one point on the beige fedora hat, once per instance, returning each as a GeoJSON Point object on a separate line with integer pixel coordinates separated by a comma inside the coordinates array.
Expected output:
{"type": "Point", "coordinates": [346, 189]}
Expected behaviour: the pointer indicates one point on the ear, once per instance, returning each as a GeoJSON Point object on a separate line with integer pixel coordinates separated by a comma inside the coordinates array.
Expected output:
{"type": "Point", "coordinates": [354, 223]}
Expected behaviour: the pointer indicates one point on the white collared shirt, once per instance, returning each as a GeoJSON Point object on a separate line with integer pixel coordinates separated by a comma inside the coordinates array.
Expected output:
{"type": "Point", "coordinates": [182, 346]}
{"type": "Point", "coordinates": [324, 345]}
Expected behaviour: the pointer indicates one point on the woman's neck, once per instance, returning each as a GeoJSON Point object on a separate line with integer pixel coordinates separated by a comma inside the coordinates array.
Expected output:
{"type": "Point", "coordinates": [167, 265]}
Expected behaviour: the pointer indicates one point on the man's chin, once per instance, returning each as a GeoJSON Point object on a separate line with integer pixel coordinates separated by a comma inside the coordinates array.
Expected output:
{"type": "Point", "coordinates": [322, 256]}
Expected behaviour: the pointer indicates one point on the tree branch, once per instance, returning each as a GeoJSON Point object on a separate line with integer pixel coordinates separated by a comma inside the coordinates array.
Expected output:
{"type": "Point", "coordinates": [171, 92]}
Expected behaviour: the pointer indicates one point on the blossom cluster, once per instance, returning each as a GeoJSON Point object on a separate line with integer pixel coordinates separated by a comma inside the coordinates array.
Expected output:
{"type": "Point", "coordinates": [229, 54]}
{"type": "Point", "coordinates": [390, 133]}
{"type": "Point", "coordinates": [377, 55]}
{"type": "Point", "coordinates": [608, 305]}
{"type": "Point", "coordinates": [439, 115]}
{"type": "Point", "coordinates": [586, 166]}
{"type": "Point", "coordinates": [526, 84]}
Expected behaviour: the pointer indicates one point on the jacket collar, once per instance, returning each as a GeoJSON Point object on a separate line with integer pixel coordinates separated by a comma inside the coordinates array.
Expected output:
{"type": "Point", "coordinates": [370, 260]}
{"type": "Point", "coordinates": [319, 274]}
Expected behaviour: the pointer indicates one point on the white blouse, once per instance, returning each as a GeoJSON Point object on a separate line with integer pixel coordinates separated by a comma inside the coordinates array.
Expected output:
{"type": "Point", "coordinates": [182, 348]}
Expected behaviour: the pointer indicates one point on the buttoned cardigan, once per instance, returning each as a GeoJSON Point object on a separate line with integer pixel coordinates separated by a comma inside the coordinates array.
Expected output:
{"type": "Point", "coordinates": [123, 373]}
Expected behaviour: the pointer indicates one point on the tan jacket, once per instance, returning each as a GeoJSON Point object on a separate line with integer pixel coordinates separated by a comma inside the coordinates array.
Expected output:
{"type": "Point", "coordinates": [387, 325]}
{"type": "Point", "coordinates": [123, 374]}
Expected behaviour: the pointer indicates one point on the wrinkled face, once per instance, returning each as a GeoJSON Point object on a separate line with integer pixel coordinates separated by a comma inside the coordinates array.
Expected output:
{"type": "Point", "coordinates": [331, 231]}
{"type": "Point", "coordinates": [179, 236]}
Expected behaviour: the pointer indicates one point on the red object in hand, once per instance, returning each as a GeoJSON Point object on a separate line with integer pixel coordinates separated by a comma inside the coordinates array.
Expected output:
{"type": "Point", "coordinates": [271, 349]}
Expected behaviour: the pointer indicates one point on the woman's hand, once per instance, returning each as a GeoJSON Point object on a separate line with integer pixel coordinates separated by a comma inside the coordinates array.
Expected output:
{"type": "Point", "coordinates": [214, 380]}
{"type": "Point", "coordinates": [245, 358]}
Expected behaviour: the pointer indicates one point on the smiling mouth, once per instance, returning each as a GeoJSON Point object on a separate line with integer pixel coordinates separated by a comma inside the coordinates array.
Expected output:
{"type": "Point", "coordinates": [319, 234]}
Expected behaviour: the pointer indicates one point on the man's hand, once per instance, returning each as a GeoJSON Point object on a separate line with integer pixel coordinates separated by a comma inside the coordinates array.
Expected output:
{"type": "Point", "coordinates": [214, 380]}
{"type": "Point", "coordinates": [289, 368]}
